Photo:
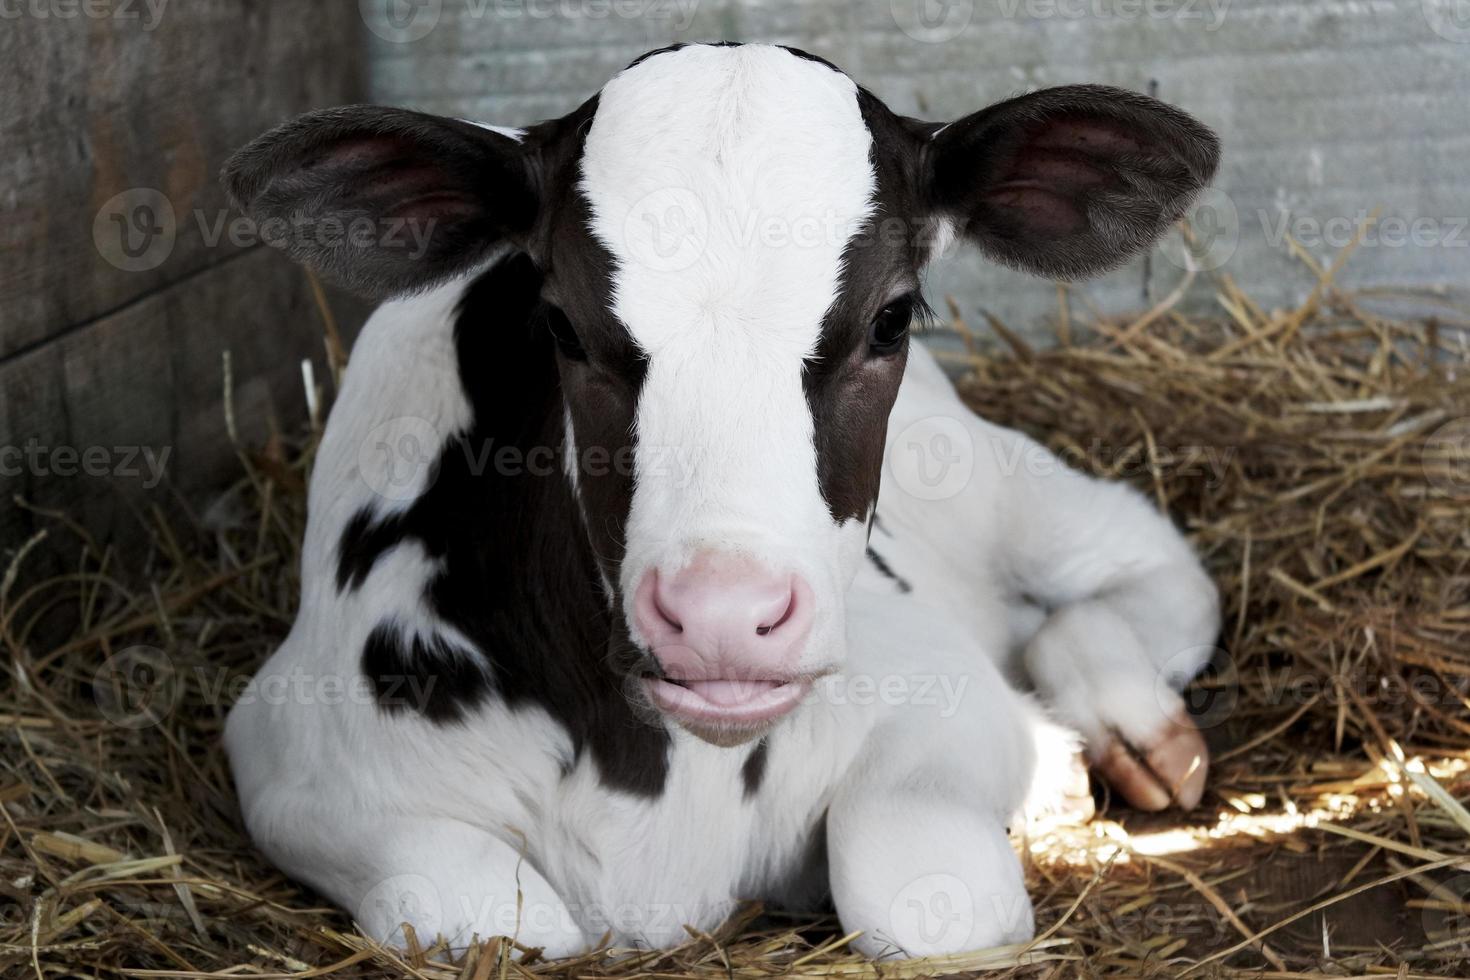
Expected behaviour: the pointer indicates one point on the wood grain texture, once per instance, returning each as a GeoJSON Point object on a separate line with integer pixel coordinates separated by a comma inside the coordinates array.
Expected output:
{"type": "Point", "coordinates": [105, 360]}
{"type": "Point", "coordinates": [146, 384]}
{"type": "Point", "coordinates": [92, 107]}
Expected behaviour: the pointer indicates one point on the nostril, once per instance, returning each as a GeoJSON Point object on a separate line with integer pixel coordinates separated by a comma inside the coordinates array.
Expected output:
{"type": "Point", "coordinates": [666, 616]}
{"type": "Point", "coordinates": [786, 614]}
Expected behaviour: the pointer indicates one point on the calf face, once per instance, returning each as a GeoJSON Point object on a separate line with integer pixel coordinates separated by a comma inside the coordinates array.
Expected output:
{"type": "Point", "coordinates": [729, 241]}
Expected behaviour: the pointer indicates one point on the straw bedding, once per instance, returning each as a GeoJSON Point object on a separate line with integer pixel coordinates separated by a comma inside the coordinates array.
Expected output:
{"type": "Point", "coordinates": [1319, 458]}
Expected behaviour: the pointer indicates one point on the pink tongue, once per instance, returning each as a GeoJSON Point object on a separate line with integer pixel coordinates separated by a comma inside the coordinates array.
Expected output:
{"type": "Point", "coordinates": [730, 692]}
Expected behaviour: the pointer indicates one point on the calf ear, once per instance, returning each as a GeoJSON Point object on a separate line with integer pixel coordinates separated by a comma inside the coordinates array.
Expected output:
{"type": "Point", "coordinates": [384, 201]}
{"type": "Point", "coordinates": [1069, 182]}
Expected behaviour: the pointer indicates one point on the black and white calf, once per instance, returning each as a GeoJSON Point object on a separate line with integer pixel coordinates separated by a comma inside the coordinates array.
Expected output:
{"type": "Point", "coordinates": [642, 636]}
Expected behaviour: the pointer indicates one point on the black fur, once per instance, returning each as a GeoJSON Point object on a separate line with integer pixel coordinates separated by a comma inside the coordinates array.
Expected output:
{"type": "Point", "coordinates": [423, 674]}
{"type": "Point", "coordinates": [519, 579]}
{"type": "Point", "coordinates": [754, 770]}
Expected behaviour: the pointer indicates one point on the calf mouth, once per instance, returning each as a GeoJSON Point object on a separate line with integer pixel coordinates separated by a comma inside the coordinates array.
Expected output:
{"type": "Point", "coordinates": [726, 711]}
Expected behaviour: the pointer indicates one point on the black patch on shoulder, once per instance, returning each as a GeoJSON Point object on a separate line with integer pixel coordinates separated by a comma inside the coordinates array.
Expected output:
{"type": "Point", "coordinates": [517, 575]}
{"type": "Point", "coordinates": [362, 543]}
{"type": "Point", "coordinates": [754, 770]}
{"type": "Point", "coordinates": [423, 674]}
{"type": "Point", "coordinates": [886, 570]}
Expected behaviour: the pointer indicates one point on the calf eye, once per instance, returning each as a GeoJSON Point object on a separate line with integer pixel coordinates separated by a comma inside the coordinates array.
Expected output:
{"type": "Point", "coordinates": [564, 333]}
{"type": "Point", "coordinates": [891, 327]}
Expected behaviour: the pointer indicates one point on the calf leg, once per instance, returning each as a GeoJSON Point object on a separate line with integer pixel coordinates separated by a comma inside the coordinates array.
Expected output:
{"type": "Point", "coordinates": [923, 876]}
{"type": "Point", "coordinates": [441, 877]}
{"type": "Point", "coordinates": [917, 843]}
{"type": "Point", "coordinates": [1092, 669]}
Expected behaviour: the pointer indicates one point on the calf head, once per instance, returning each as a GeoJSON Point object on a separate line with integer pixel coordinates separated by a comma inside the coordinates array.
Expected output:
{"type": "Point", "coordinates": [729, 241]}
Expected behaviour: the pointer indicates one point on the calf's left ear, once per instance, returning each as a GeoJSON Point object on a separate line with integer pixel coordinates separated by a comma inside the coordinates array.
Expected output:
{"type": "Point", "coordinates": [1068, 182]}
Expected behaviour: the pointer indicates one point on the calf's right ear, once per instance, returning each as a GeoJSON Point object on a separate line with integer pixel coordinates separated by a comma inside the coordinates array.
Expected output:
{"type": "Point", "coordinates": [385, 201]}
{"type": "Point", "coordinates": [1068, 182]}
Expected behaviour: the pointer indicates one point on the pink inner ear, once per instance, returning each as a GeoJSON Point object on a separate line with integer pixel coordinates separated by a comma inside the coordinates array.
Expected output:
{"type": "Point", "coordinates": [1039, 209]}
{"type": "Point", "coordinates": [355, 154]}
{"type": "Point", "coordinates": [1095, 137]}
{"type": "Point", "coordinates": [378, 175]}
{"type": "Point", "coordinates": [1045, 187]}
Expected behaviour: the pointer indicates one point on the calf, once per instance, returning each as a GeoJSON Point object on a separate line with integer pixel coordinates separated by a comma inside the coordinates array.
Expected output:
{"type": "Point", "coordinates": [621, 626]}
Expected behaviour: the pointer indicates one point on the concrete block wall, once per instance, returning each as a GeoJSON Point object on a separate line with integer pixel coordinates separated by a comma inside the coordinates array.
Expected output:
{"type": "Point", "coordinates": [1328, 109]}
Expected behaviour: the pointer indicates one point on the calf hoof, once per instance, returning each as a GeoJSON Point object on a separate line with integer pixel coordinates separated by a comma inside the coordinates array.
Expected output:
{"type": "Point", "coordinates": [1167, 769]}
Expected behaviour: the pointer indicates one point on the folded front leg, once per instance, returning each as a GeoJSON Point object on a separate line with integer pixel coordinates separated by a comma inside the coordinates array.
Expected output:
{"type": "Point", "coordinates": [441, 877]}
{"type": "Point", "coordinates": [1098, 677]}
{"type": "Point", "coordinates": [924, 875]}
{"type": "Point", "coordinates": [917, 840]}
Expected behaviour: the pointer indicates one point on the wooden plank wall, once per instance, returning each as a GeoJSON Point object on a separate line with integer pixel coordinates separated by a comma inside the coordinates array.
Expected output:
{"type": "Point", "coordinates": [109, 354]}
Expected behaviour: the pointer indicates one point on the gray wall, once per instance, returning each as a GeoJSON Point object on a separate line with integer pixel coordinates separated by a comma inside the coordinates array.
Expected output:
{"type": "Point", "coordinates": [1328, 109]}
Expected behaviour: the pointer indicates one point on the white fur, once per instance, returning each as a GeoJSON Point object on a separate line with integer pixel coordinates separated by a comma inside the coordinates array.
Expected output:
{"type": "Point", "coordinates": [763, 158]}
{"type": "Point", "coordinates": [918, 752]}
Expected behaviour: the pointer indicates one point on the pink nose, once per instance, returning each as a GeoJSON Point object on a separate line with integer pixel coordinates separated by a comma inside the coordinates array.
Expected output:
{"type": "Point", "coordinates": [729, 635]}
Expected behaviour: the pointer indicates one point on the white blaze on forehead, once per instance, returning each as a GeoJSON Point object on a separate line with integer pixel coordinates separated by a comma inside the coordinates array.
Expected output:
{"type": "Point", "coordinates": [727, 182]}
